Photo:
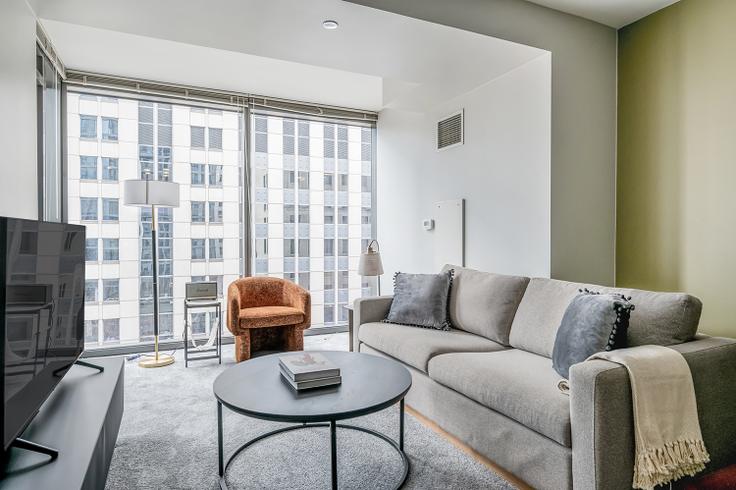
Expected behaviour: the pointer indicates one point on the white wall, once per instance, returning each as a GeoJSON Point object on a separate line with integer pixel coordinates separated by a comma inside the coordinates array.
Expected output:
{"type": "Point", "coordinates": [18, 184]}
{"type": "Point", "coordinates": [502, 171]}
{"type": "Point", "coordinates": [583, 118]}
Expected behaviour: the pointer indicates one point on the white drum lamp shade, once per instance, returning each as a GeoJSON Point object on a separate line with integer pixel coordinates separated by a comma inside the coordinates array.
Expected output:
{"type": "Point", "coordinates": [370, 263]}
{"type": "Point", "coordinates": [151, 193]}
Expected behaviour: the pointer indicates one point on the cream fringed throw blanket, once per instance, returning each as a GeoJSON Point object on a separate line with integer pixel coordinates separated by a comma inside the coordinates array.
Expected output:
{"type": "Point", "coordinates": [669, 444]}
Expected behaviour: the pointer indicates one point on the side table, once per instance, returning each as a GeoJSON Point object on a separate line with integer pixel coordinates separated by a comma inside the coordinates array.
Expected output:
{"type": "Point", "coordinates": [217, 349]}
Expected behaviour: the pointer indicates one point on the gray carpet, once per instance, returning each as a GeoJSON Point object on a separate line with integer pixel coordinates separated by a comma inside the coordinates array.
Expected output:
{"type": "Point", "coordinates": [168, 440]}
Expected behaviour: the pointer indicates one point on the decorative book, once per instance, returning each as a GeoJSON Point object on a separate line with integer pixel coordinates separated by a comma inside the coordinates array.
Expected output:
{"type": "Point", "coordinates": [311, 383]}
{"type": "Point", "coordinates": [307, 366]}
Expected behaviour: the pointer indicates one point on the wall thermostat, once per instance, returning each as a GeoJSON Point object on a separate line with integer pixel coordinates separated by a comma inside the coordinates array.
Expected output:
{"type": "Point", "coordinates": [428, 224]}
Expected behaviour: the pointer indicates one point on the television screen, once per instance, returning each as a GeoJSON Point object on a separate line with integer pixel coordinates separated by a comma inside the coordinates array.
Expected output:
{"type": "Point", "coordinates": [42, 311]}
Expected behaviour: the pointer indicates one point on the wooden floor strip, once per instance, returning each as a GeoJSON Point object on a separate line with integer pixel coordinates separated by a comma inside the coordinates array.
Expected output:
{"type": "Point", "coordinates": [469, 450]}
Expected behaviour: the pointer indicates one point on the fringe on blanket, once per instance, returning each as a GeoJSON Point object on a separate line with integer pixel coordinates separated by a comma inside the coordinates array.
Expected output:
{"type": "Point", "coordinates": [656, 466]}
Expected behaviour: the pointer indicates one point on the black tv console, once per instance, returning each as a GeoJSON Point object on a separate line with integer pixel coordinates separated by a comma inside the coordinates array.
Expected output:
{"type": "Point", "coordinates": [81, 420]}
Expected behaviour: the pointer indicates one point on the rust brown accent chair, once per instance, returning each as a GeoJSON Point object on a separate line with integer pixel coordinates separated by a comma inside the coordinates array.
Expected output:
{"type": "Point", "coordinates": [267, 313]}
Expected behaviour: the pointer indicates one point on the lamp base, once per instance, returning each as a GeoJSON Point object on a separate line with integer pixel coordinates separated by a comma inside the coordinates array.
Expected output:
{"type": "Point", "coordinates": [152, 362]}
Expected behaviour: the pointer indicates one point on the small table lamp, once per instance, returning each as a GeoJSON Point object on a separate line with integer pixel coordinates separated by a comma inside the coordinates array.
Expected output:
{"type": "Point", "coordinates": [370, 263]}
{"type": "Point", "coordinates": [152, 193]}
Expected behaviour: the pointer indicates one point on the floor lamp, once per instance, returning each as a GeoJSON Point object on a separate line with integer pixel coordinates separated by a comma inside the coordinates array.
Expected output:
{"type": "Point", "coordinates": [370, 263]}
{"type": "Point", "coordinates": [153, 193]}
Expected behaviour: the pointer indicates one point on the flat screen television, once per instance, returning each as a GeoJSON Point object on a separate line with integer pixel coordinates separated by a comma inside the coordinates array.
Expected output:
{"type": "Point", "coordinates": [42, 267]}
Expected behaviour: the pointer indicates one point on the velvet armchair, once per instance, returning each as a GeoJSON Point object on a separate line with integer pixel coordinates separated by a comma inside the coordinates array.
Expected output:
{"type": "Point", "coordinates": [267, 313]}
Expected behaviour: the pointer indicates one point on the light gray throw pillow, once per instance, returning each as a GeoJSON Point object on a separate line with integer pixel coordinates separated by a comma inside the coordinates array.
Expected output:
{"type": "Point", "coordinates": [421, 300]}
{"type": "Point", "coordinates": [592, 323]}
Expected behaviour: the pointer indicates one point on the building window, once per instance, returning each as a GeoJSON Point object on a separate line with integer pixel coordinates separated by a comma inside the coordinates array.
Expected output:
{"type": "Point", "coordinates": [197, 174]}
{"type": "Point", "coordinates": [198, 249]}
{"type": "Point", "coordinates": [215, 172]}
{"type": "Point", "coordinates": [197, 134]}
{"type": "Point", "coordinates": [87, 167]}
{"type": "Point", "coordinates": [289, 179]}
{"type": "Point", "coordinates": [329, 247]}
{"type": "Point", "coordinates": [342, 247]}
{"type": "Point", "coordinates": [289, 214]}
{"type": "Point", "coordinates": [215, 212]}
{"type": "Point", "coordinates": [215, 138]}
{"type": "Point", "coordinates": [215, 248]}
{"type": "Point", "coordinates": [329, 281]}
{"type": "Point", "coordinates": [90, 291]}
{"type": "Point", "coordinates": [111, 330]}
{"type": "Point", "coordinates": [109, 129]}
{"type": "Point", "coordinates": [88, 127]}
{"type": "Point", "coordinates": [343, 280]}
{"type": "Point", "coordinates": [304, 280]}
{"type": "Point", "coordinates": [289, 248]}
{"type": "Point", "coordinates": [365, 215]}
{"type": "Point", "coordinates": [304, 247]}
{"type": "Point", "coordinates": [329, 314]}
{"type": "Point", "coordinates": [342, 182]}
{"type": "Point", "coordinates": [90, 249]}
{"type": "Point", "coordinates": [303, 214]}
{"type": "Point", "coordinates": [164, 164]}
{"type": "Point", "coordinates": [145, 157]}
{"type": "Point", "coordinates": [110, 249]}
{"type": "Point", "coordinates": [91, 332]}
{"type": "Point", "coordinates": [329, 182]}
{"type": "Point", "coordinates": [109, 209]}
{"type": "Point", "coordinates": [199, 323]}
{"type": "Point", "coordinates": [260, 213]}
{"type": "Point", "coordinates": [365, 183]}
{"type": "Point", "coordinates": [88, 208]}
{"type": "Point", "coordinates": [111, 290]}
{"type": "Point", "coordinates": [110, 169]}
{"type": "Point", "coordinates": [329, 215]}
{"type": "Point", "coordinates": [342, 215]}
{"type": "Point", "coordinates": [198, 212]}
{"type": "Point", "coordinates": [304, 181]}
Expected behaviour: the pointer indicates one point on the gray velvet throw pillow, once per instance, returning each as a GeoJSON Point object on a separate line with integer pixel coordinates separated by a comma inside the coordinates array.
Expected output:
{"type": "Point", "coordinates": [421, 300]}
{"type": "Point", "coordinates": [592, 323]}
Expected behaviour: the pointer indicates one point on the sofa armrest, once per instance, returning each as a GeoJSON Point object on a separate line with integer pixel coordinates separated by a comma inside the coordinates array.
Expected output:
{"type": "Point", "coordinates": [602, 416]}
{"type": "Point", "coordinates": [367, 310]}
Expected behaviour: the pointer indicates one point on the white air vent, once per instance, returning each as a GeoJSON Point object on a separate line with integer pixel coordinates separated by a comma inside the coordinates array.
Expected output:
{"type": "Point", "coordinates": [450, 131]}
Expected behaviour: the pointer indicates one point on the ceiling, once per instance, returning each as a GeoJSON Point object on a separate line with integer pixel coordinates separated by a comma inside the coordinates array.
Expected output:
{"type": "Point", "coordinates": [613, 13]}
{"type": "Point", "coordinates": [375, 59]}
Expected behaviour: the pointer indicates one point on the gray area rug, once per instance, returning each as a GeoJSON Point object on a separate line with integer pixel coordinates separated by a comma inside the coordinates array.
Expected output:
{"type": "Point", "coordinates": [168, 440]}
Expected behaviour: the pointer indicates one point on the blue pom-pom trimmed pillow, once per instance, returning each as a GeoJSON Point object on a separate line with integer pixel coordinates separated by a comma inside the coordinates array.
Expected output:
{"type": "Point", "coordinates": [422, 300]}
{"type": "Point", "coordinates": [593, 322]}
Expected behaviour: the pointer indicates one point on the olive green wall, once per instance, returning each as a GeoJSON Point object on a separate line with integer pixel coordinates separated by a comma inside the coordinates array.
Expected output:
{"type": "Point", "coordinates": [676, 179]}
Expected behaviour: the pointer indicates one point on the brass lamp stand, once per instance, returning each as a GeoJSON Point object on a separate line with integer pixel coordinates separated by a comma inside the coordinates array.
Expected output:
{"type": "Point", "coordinates": [145, 193]}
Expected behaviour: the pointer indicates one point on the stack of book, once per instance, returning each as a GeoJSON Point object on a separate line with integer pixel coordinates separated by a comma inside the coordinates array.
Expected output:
{"type": "Point", "coordinates": [309, 370]}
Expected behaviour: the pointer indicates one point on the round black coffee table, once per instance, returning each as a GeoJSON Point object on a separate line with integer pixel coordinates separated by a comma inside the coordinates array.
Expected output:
{"type": "Point", "coordinates": [369, 384]}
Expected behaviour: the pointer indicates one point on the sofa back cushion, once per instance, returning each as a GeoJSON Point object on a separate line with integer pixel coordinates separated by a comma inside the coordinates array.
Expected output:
{"type": "Point", "coordinates": [484, 303]}
{"type": "Point", "coordinates": [658, 318]}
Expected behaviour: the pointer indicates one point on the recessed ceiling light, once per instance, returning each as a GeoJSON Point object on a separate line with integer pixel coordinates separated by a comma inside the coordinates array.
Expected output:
{"type": "Point", "coordinates": [330, 24]}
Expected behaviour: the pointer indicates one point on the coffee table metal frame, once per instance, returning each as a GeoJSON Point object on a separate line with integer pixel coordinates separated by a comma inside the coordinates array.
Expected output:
{"type": "Point", "coordinates": [331, 423]}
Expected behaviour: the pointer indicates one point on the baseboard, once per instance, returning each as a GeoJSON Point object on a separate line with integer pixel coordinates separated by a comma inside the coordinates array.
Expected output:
{"type": "Point", "coordinates": [514, 480]}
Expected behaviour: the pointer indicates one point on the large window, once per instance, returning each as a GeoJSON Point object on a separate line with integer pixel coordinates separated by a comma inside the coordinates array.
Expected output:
{"type": "Point", "coordinates": [120, 139]}
{"type": "Point", "coordinates": [313, 232]}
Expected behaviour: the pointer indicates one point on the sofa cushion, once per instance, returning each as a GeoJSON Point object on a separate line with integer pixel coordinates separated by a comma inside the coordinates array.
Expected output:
{"type": "Point", "coordinates": [416, 346]}
{"type": "Point", "coordinates": [518, 384]}
{"type": "Point", "coordinates": [658, 318]}
{"type": "Point", "coordinates": [484, 303]}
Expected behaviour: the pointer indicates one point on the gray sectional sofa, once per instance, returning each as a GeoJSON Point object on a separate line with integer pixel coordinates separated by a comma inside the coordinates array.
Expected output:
{"type": "Point", "coordinates": [489, 381]}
